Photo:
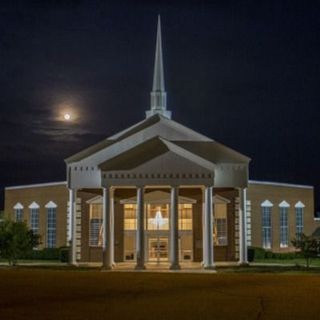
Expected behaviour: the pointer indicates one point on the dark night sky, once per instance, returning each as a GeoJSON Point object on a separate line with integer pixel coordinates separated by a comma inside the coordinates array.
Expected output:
{"type": "Point", "coordinates": [244, 73]}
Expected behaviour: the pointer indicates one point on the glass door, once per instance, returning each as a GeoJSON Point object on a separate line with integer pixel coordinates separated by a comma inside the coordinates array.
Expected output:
{"type": "Point", "coordinates": [158, 249]}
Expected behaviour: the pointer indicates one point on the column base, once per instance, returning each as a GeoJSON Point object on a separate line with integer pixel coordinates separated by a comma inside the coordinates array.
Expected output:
{"type": "Point", "coordinates": [74, 264]}
{"type": "Point", "coordinates": [212, 267]}
{"type": "Point", "coordinates": [243, 264]}
{"type": "Point", "coordinates": [106, 268]}
{"type": "Point", "coordinates": [175, 266]}
{"type": "Point", "coordinates": [140, 267]}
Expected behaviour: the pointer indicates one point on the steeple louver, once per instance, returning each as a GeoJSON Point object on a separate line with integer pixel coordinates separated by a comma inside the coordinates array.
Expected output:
{"type": "Point", "coordinates": [158, 94]}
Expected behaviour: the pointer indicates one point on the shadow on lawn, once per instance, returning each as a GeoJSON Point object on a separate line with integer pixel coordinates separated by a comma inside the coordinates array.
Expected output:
{"type": "Point", "coordinates": [225, 269]}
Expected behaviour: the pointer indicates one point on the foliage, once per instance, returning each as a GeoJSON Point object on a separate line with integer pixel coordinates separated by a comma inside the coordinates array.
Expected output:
{"type": "Point", "coordinates": [43, 254]}
{"type": "Point", "coordinates": [15, 240]}
{"type": "Point", "coordinates": [255, 253]}
{"type": "Point", "coordinates": [308, 246]}
{"type": "Point", "coordinates": [64, 254]}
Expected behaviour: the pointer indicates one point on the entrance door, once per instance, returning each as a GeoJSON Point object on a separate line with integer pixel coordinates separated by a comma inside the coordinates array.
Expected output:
{"type": "Point", "coordinates": [158, 249]}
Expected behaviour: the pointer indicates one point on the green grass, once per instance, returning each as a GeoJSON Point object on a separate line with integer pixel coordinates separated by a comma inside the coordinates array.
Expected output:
{"type": "Point", "coordinates": [298, 261]}
{"type": "Point", "coordinates": [4, 261]}
{"type": "Point", "coordinates": [28, 293]}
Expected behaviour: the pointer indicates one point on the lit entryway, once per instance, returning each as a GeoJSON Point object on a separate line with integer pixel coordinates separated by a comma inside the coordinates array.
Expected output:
{"type": "Point", "coordinates": [158, 249]}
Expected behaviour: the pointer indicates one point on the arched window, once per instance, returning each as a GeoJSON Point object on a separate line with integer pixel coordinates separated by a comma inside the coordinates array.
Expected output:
{"type": "Point", "coordinates": [34, 217]}
{"type": "Point", "coordinates": [266, 208]}
{"type": "Point", "coordinates": [284, 229]}
{"type": "Point", "coordinates": [18, 212]}
{"type": "Point", "coordinates": [299, 210]}
{"type": "Point", "coordinates": [51, 224]}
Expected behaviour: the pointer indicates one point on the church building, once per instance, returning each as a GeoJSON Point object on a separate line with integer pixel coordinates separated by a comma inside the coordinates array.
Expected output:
{"type": "Point", "coordinates": [161, 192]}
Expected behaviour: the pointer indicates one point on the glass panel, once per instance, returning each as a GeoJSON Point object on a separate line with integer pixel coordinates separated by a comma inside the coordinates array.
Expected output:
{"type": "Point", "coordinates": [185, 216]}
{"type": "Point", "coordinates": [19, 215]}
{"type": "Point", "coordinates": [130, 217]}
{"type": "Point", "coordinates": [299, 222]}
{"type": "Point", "coordinates": [158, 248]}
{"type": "Point", "coordinates": [158, 217]}
{"type": "Point", "coordinates": [220, 225]}
{"type": "Point", "coordinates": [284, 237]}
{"type": "Point", "coordinates": [51, 227]}
{"type": "Point", "coordinates": [34, 220]}
{"type": "Point", "coordinates": [266, 227]}
{"type": "Point", "coordinates": [95, 225]}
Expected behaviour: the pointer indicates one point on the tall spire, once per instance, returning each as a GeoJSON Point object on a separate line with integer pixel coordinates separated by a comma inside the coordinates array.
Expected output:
{"type": "Point", "coordinates": [158, 94]}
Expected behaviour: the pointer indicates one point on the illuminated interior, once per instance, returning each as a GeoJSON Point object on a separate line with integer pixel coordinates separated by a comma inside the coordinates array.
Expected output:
{"type": "Point", "coordinates": [157, 227]}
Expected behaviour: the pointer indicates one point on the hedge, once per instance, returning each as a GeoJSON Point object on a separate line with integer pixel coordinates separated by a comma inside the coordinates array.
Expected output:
{"type": "Point", "coordinates": [61, 254]}
{"type": "Point", "coordinates": [255, 253]}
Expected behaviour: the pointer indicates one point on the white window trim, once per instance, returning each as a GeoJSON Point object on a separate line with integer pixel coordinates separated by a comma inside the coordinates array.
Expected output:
{"type": "Point", "coordinates": [51, 204]}
{"type": "Point", "coordinates": [34, 205]}
{"type": "Point", "coordinates": [299, 204]}
{"type": "Point", "coordinates": [18, 205]}
{"type": "Point", "coordinates": [266, 203]}
{"type": "Point", "coordinates": [284, 204]}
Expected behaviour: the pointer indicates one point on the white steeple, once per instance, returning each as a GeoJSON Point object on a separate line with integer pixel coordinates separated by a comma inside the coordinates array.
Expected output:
{"type": "Point", "coordinates": [158, 93]}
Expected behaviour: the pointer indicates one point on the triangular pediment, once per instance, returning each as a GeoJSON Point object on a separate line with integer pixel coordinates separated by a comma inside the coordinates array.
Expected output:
{"type": "Point", "coordinates": [154, 126]}
{"type": "Point", "coordinates": [158, 155]}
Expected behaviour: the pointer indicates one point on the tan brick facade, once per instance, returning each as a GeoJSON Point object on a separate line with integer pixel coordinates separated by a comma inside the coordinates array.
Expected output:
{"type": "Point", "coordinates": [276, 193]}
{"type": "Point", "coordinates": [256, 194]}
{"type": "Point", "coordinates": [41, 195]}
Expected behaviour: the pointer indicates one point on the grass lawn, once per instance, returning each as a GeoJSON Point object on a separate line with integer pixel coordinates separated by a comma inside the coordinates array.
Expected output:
{"type": "Point", "coordinates": [61, 293]}
{"type": "Point", "coordinates": [298, 261]}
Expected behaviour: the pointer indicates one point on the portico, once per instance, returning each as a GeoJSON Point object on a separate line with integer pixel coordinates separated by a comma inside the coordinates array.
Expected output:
{"type": "Point", "coordinates": [190, 184]}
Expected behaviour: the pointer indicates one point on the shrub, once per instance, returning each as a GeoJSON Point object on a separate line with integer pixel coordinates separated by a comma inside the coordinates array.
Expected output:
{"type": "Point", "coordinates": [42, 254]}
{"type": "Point", "coordinates": [255, 253]}
{"type": "Point", "coordinates": [64, 254]}
{"type": "Point", "coordinates": [269, 255]}
{"type": "Point", "coordinates": [16, 240]}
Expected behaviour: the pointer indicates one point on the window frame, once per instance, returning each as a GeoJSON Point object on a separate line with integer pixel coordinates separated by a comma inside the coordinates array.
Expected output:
{"type": "Point", "coordinates": [266, 235]}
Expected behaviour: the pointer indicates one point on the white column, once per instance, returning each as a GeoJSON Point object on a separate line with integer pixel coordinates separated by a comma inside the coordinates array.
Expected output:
{"type": "Point", "coordinates": [140, 229]}
{"type": "Point", "coordinates": [208, 229]}
{"type": "Point", "coordinates": [107, 230]}
{"type": "Point", "coordinates": [69, 222]}
{"type": "Point", "coordinates": [73, 224]}
{"type": "Point", "coordinates": [174, 229]}
{"type": "Point", "coordinates": [243, 250]}
{"type": "Point", "coordinates": [112, 225]}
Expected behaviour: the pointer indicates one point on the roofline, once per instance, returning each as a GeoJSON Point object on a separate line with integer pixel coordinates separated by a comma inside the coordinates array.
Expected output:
{"type": "Point", "coordinates": [37, 185]}
{"type": "Point", "coordinates": [280, 184]}
{"type": "Point", "coordinates": [270, 183]}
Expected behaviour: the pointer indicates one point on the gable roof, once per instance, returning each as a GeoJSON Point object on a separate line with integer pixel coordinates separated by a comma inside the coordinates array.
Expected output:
{"type": "Point", "coordinates": [213, 151]}
{"type": "Point", "coordinates": [174, 132]}
{"type": "Point", "coordinates": [147, 151]}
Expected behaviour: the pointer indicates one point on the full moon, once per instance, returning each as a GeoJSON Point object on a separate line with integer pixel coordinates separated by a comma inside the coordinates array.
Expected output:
{"type": "Point", "coordinates": [67, 116]}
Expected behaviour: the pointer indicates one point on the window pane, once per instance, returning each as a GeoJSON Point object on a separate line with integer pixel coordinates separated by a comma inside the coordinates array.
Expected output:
{"type": "Point", "coordinates": [158, 217]}
{"type": "Point", "coordinates": [130, 217]}
{"type": "Point", "coordinates": [51, 227]}
{"type": "Point", "coordinates": [266, 227]}
{"type": "Point", "coordinates": [284, 236]}
{"type": "Point", "coordinates": [34, 220]}
{"type": "Point", "coordinates": [95, 225]}
{"type": "Point", "coordinates": [185, 216]}
{"type": "Point", "coordinates": [19, 215]}
{"type": "Point", "coordinates": [299, 222]}
{"type": "Point", "coordinates": [220, 229]}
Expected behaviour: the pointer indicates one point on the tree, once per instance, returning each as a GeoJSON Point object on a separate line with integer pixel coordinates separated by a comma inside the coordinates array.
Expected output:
{"type": "Point", "coordinates": [15, 239]}
{"type": "Point", "coordinates": [308, 246]}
